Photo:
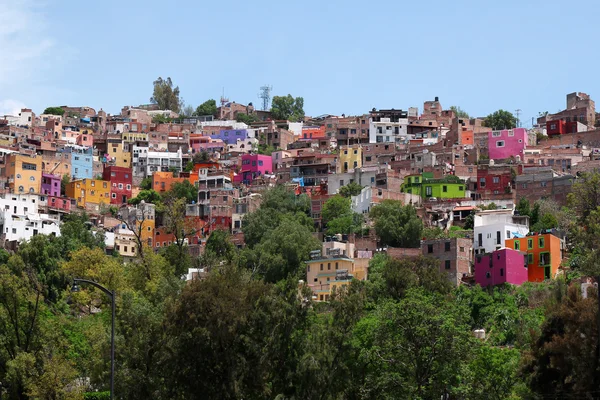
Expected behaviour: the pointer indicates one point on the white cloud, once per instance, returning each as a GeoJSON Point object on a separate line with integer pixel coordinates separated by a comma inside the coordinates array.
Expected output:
{"type": "Point", "coordinates": [11, 107]}
{"type": "Point", "coordinates": [27, 49]}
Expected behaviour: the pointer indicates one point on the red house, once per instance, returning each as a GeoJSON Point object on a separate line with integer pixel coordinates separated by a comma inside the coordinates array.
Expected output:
{"type": "Point", "coordinates": [560, 127]}
{"type": "Point", "coordinates": [121, 179]}
{"type": "Point", "coordinates": [61, 203]}
{"type": "Point", "coordinates": [494, 182]}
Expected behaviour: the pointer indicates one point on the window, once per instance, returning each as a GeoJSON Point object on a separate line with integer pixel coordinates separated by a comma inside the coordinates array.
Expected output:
{"type": "Point", "coordinates": [482, 182]}
{"type": "Point", "coordinates": [461, 249]}
{"type": "Point", "coordinates": [336, 265]}
{"type": "Point", "coordinates": [496, 134]}
{"type": "Point", "coordinates": [447, 264]}
{"type": "Point", "coordinates": [114, 195]}
{"type": "Point", "coordinates": [517, 245]}
{"type": "Point", "coordinates": [543, 184]}
{"type": "Point", "coordinates": [508, 234]}
{"type": "Point", "coordinates": [430, 248]}
{"type": "Point", "coordinates": [498, 238]}
{"type": "Point", "coordinates": [496, 179]}
{"type": "Point", "coordinates": [544, 258]}
{"type": "Point", "coordinates": [428, 190]}
{"type": "Point", "coordinates": [530, 258]}
{"type": "Point", "coordinates": [541, 243]}
{"type": "Point", "coordinates": [529, 244]}
{"type": "Point", "coordinates": [120, 186]}
{"type": "Point", "coordinates": [501, 271]}
{"type": "Point", "coordinates": [447, 246]}
{"type": "Point", "coordinates": [128, 187]}
{"type": "Point", "coordinates": [329, 266]}
{"type": "Point", "coordinates": [321, 267]}
{"type": "Point", "coordinates": [21, 189]}
{"type": "Point", "coordinates": [460, 188]}
{"type": "Point", "coordinates": [445, 189]}
{"type": "Point", "coordinates": [500, 143]}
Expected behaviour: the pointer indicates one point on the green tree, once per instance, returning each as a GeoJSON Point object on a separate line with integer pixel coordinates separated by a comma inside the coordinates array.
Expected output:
{"type": "Point", "coordinates": [66, 179]}
{"type": "Point", "coordinates": [336, 207]}
{"type": "Point", "coordinates": [397, 225]}
{"type": "Point", "coordinates": [351, 189]}
{"type": "Point", "coordinates": [201, 157]}
{"type": "Point", "coordinates": [54, 111]}
{"type": "Point", "coordinates": [345, 224]}
{"type": "Point", "coordinates": [187, 111]}
{"type": "Point", "coordinates": [146, 183]}
{"type": "Point", "coordinates": [287, 108]}
{"type": "Point", "coordinates": [209, 107]}
{"type": "Point", "coordinates": [523, 207]}
{"type": "Point", "coordinates": [460, 113]}
{"type": "Point", "coordinates": [246, 118]}
{"type": "Point", "coordinates": [183, 190]}
{"type": "Point", "coordinates": [585, 194]}
{"type": "Point", "coordinates": [148, 196]}
{"type": "Point", "coordinates": [494, 372]}
{"type": "Point", "coordinates": [165, 96]}
{"type": "Point", "coordinates": [219, 243]}
{"type": "Point", "coordinates": [500, 119]}
{"type": "Point", "coordinates": [183, 229]}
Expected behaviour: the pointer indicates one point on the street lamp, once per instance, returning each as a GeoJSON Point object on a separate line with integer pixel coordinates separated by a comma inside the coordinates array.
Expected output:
{"type": "Point", "coordinates": [112, 295]}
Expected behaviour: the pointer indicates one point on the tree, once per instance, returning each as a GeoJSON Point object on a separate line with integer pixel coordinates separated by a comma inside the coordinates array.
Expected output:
{"type": "Point", "coordinates": [148, 196]}
{"type": "Point", "coordinates": [417, 347]}
{"type": "Point", "coordinates": [219, 243]}
{"type": "Point", "coordinates": [335, 207]}
{"type": "Point", "coordinates": [351, 189]}
{"type": "Point", "coordinates": [500, 119]}
{"type": "Point", "coordinates": [173, 209]}
{"type": "Point", "coordinates": [66, 179]}
{"type": "Point", "coordinates": [209, 107]}
{"type": "Point", "coordinates": [54, 111]}
{"type": "Point", "coordinates": [201, 157]}
{"type": "Point", "coordinates": [494, 372]}
{"type": "Point", "coordinates": [287, 108]}
{"type": "Point", "coordinates": [165, 96]}
{"type": "Point", "coordinates": [183, 190]}
{"type": "Point", "coordinates": [345, 224]}
{"type": "Point", "coordinates": [187, 111]}
{"type": "Point", "coordinates": [397, 225]}
{"type": "Point", "coordinates": [585, 194]}
{"type": "Point", "coordinates": [246, 118]}
{"type": "Point", "coordinates": [146, 183]}
{"type": "Point", "coordinates": [460, 113]}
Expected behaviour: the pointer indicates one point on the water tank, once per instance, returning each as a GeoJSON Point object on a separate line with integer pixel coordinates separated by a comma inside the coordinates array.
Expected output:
{"type": "Point", "coordinates": [479, 333]}
{"type": "Point", "coordinates": [492, 163]}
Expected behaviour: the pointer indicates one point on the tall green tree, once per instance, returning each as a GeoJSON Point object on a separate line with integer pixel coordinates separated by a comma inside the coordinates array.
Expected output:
{"type": "Point", "coordinates": [209, 107]}
{"type": "Point", "coordinates": [397, 225]}
{"type": "Point", "coordinates": [500, 119]}
{"type": "Point", "coordinates": [287, 108]}
{"type": "Point", "coordinates": [165, 95]}
{"type": "Point", "coordinates": [54, 111]}
{"type": "Point", "coordinates": [351, 189]}
{"type": "Point", "coordinates": [460, 113]}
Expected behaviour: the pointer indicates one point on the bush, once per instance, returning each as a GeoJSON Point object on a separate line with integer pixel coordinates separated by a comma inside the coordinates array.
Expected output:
{"type": "Point", "coordinates": [96, 395]}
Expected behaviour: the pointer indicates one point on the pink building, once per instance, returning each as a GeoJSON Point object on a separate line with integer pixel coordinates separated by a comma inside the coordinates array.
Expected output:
{"type": "Point", "coordinates": [50, 184]}
{"type": "Point", "coordinates": [61, 203]}
{"type": "Point", "coordinates": [501, 266]}
{"type": "Point", "coordinates": [253, 166]}
{"type": "Point", "coordinates": [506, 143]}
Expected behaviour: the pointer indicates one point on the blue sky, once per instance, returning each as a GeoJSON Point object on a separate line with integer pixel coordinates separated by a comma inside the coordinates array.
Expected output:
{"type": "Point", "coordinates": [341, 56]}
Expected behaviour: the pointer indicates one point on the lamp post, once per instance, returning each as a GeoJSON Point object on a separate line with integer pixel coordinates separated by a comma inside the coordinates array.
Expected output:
{"type": "Point", "coordinates": [112, 295]}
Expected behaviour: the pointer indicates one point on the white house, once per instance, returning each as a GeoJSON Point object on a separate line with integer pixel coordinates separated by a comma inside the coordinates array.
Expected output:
{"type": "Point", "coordinates": [493, 227]}
{"type": "Point", "coordinates": [20, 220]}
{"type": "Point", "coordinates": [147, 162]}
{"type": "Point", "coordinates": [387, 130]}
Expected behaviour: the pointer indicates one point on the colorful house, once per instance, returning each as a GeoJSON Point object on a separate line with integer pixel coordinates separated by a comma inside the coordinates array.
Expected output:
{"type": "Point", "coordinates": [506, 143]}
{"type": "Point", "coordinates": [24, 173]}
{"type": "Point", "coordinates": [121, 180]}
{"type": "Point", "coordinates": [253, 166]}
{"type": "Point", "coordinates": [89, 192]}
{"type": "Point", "coordinates": [118, 153]}
{"type": "Point", "coordinates": [350, 158]}
{"type": "Point", "coordinates": [50, 185]}
{"type": "Point", "coordinates": [448, 187]}
{"type": "Point", "coordinates": [82, 163]}
{"type": "Point", "coordinates": [544, 254]}
{"type": "Point", "coordinates": [231, 136]}
{"type": "Point", "coordinates": [501, 266]}
{"type": "Point", "coordinates": [324, 274]}
{"type": "Point", "coordinates": [313, 132]}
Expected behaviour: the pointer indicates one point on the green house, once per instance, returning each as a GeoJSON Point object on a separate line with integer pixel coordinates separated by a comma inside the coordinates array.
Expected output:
{"type": "Point", "coordinates": [448, 187]}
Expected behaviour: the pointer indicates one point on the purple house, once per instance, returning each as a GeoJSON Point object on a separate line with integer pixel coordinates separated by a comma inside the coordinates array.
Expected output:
{"type": "Point", "coordinates": [51, 185]}
{"type": "Point", "coordinates": [501, 266]}
{"type": "Point", "coordinates": [506, 143]}
{"type": "Point", "coordinates": [253, 166]}
{"type": "Point", "coordinates": [231, 136]}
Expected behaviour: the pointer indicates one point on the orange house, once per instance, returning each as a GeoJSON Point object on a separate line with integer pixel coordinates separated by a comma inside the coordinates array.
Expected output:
{"type": "Point", "coordinates": [313, 132]}
{"type": "Point", "coordinates": [544, 255]}
{"type": "Point", "coordinates": [466, 138]}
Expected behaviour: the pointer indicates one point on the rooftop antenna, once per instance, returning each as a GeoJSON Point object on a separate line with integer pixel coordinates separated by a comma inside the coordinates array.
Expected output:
{"type": "Point", "coordinates": [518, 112]}
{"type": "Point", "coordinates": [224, 99]}
{"type": "Point", "coordinates": [265, 95]}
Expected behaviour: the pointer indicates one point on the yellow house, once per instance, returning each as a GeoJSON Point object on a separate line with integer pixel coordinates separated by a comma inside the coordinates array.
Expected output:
{"type": "Point", "coordinates": [24, 173]}
{"type": "Point", "coordinates": [119, 152]}
{"type": "Point", "coordinates": [125, 243]}
{"type": "Point", "coordinates": [89, 191]}
{"type": "Point", "coordinates": [350, 158]}
{"type": "Point", "coordinates": [130, 137]}
{"type": "Point", "coordinates": [323, 274]}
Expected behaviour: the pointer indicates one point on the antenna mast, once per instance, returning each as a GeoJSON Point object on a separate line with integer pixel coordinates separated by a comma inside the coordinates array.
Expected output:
{"type": "Point", "coordinates": [265, 95]}
{"type": "Point", "coordinates": [518, 112]}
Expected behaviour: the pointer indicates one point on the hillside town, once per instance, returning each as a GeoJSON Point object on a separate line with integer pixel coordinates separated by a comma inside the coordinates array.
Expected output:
{"type": "Point", "coordinates": [464, 176]}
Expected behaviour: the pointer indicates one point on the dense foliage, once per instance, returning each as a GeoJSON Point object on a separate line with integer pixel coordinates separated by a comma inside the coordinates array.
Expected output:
{"type": "Point", "coordinates": [251, 330]}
